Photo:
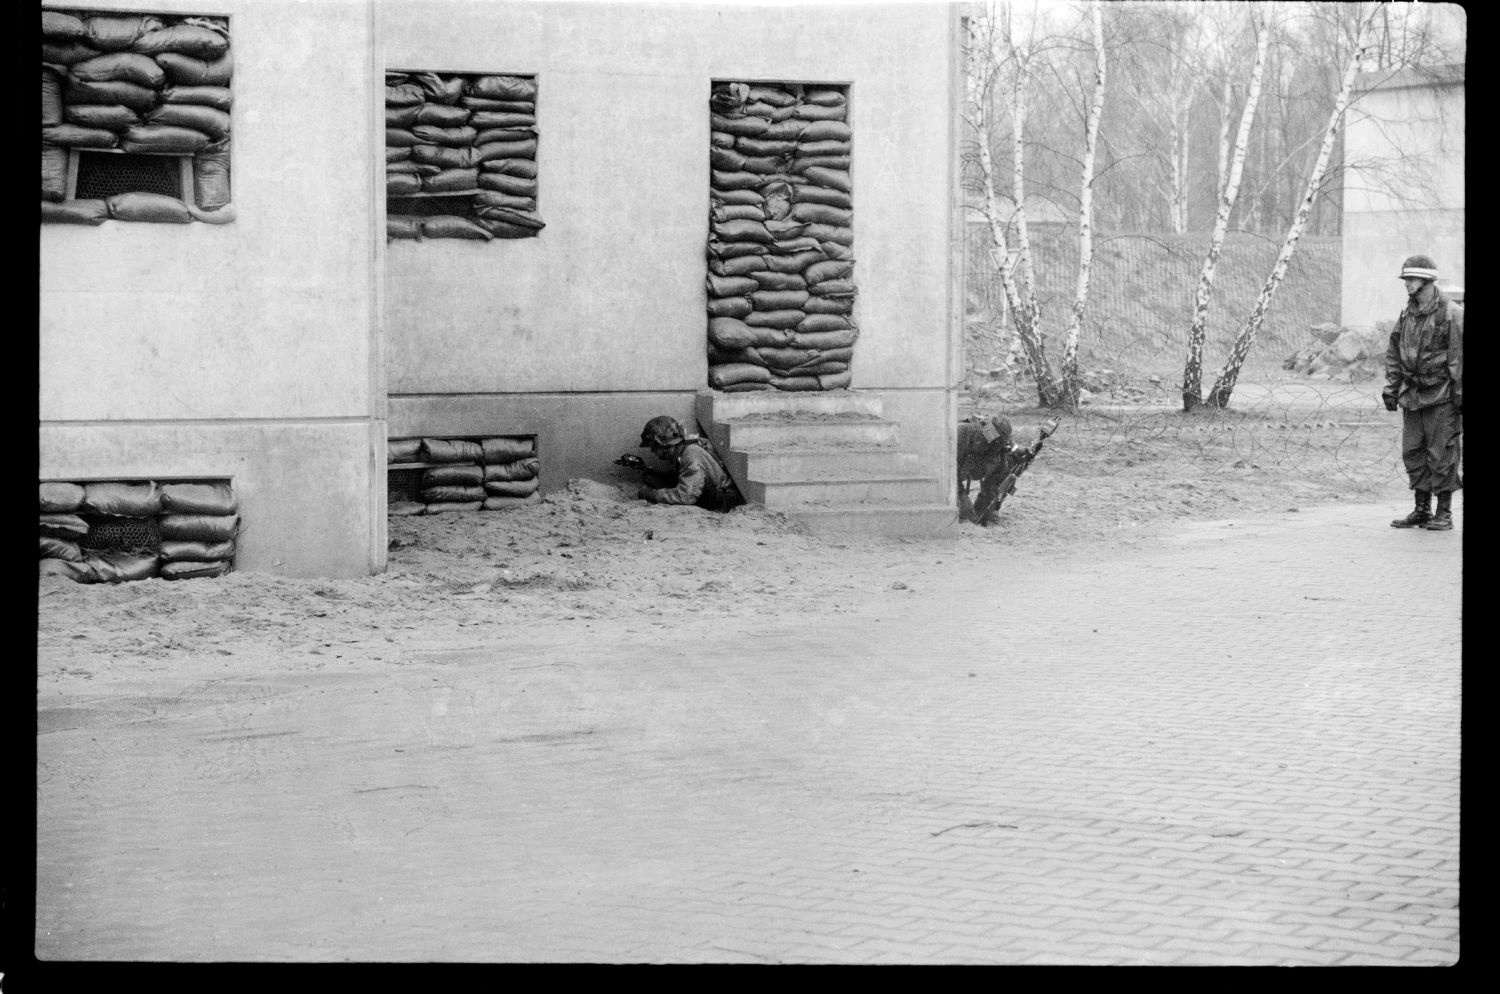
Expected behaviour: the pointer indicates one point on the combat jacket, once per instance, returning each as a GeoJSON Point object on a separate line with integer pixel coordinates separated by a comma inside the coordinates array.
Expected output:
{"type": "Point", "coordinates": [1424, 362]}
{"type": "Point", "coordinates": [979, 459]}
{"type": "Point", "coordinates": [701, 480]}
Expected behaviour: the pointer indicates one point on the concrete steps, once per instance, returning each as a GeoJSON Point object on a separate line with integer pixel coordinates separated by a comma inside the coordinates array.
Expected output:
{"type": "Point", "coordinates": [830, 460]}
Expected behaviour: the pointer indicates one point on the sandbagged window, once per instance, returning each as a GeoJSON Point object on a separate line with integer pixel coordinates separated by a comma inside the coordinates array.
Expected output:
{"type": "Point", "coordinates": [434, 475]}
{"type": "Point", "coordinates": [460, 153]}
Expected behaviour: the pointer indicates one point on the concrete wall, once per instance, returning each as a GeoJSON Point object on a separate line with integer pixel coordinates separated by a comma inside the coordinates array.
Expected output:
{"type": "Point", "coordinates": [1404, 193]}
{"type": "Point", "coordinates": [248, 349]}
{"type": "Point", "coordinates": [599, 323]}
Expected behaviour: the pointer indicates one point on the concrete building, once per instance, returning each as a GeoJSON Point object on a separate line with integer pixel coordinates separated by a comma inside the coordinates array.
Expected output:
{"type": "Point", "coordinates": [1404, 189]}
{"type": "Point", "coordinates": [284, 348]}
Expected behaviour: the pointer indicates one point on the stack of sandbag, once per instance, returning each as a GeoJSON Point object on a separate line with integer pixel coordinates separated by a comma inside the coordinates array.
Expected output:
{"type": "Point", "coordinates": [61, 530]}
{"type": "Point", "coordinates": [472, 137]}
{"type": "Point", "coordinates": [141, 84]}
{"type": "Point", "coordinates": [199, 526]}
{"type": "Point", "coordinates": [468, 474]}
{"type": "Point", "coordinates": [780, 248]}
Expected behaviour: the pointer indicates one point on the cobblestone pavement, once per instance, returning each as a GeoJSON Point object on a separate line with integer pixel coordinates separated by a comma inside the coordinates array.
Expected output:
{"type": "Point", "coordinates": [1226, 750]}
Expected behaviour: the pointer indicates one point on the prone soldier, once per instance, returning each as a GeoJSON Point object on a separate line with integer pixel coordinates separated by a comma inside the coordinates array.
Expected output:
{"type": "Point", "coordinates": [697, 476]}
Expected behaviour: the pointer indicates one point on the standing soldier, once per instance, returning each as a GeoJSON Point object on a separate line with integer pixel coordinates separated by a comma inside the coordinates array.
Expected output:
{"type": "Point", "coordinates": [1424, 376]}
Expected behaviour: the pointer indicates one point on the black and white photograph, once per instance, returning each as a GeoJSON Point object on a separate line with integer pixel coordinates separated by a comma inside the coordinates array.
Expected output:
{"type": "Point", "coordinates": [761, 483]}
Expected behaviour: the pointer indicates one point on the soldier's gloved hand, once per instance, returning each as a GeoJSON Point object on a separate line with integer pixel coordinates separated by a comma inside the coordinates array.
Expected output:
{"type": "Point", "coordinates": [1390, 402]}
{"type": "Point", "coordinates": [645, 493]}
{"type": "Point", "coordinates": [631, 462]}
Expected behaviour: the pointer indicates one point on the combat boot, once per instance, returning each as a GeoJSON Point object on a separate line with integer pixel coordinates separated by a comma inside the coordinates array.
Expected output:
{"type": "Point", "coordinates": [1442, 521]}
{"type": "Point", "coordinates": [1420, 515]}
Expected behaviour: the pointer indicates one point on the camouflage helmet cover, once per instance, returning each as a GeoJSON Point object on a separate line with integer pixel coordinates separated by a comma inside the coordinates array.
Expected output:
{"type": "Point", "coordinates": [661, 430]}
{"type": "Point", "coordinates": [1419, 266]}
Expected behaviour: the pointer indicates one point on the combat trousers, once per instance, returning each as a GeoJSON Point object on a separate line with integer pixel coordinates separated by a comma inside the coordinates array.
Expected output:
{"type": "Point", "coordinates": [1431, 447]}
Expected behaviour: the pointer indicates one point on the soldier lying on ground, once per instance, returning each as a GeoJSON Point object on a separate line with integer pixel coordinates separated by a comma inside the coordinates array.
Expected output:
{"type": "Point", "coordinates": [697, 475]}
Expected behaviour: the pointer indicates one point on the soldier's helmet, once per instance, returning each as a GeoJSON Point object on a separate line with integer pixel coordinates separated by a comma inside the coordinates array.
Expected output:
{"type": "Point", "coordinates": [1420, 266]}
{"type": "Point", "coordinates": [661, 431]}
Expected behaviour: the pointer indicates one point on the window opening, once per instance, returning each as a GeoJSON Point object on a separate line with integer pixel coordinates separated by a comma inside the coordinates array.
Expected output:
{"type": "Point", "coordinates": [101, 175]}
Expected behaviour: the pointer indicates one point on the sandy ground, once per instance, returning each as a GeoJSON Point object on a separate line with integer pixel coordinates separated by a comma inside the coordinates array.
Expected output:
{"type": "Point", "coordinates": [592, 553]}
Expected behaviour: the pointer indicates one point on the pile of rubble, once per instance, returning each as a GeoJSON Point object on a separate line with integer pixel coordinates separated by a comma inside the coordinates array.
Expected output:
{"type": "Point", "coordinates": [1342, 355]}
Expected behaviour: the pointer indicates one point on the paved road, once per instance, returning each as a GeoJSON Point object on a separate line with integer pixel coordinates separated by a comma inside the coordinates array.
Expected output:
{"type": "Point", "coordinates": [1225, 751]}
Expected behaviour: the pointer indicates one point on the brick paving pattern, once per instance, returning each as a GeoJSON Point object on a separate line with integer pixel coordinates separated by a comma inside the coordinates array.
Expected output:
{"type": "Point", "coordinates": [1224, 751]}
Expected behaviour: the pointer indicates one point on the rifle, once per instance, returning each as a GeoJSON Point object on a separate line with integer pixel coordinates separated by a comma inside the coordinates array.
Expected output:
{"type": "Point", "coordinates": [1022, 462]}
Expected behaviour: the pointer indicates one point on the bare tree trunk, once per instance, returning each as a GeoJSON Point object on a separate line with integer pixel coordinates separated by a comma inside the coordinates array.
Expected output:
{"type": "Point", "coordinates": [1224, 385]}
{"type": "Point", "coordinates": [1224, 105]}
{"type": "Point", "coordinates": [1085, 221]}
{"type": "Point", "coordinates": [1192, 373]}
{"type": "Point", "coordinates": [1028, 312]}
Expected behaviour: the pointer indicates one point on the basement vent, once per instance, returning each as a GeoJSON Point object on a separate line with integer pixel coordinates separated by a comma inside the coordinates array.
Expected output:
{"type": "Point", "coordinates": [103, 174]}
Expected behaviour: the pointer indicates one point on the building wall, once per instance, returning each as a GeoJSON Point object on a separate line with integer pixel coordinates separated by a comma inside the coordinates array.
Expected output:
{"type": "Point", "coordinates": [249, 349]}
{"type": "Point", "coordinates": [599, 322]}
{"type": "Point", "coordinates": [1405, 191]}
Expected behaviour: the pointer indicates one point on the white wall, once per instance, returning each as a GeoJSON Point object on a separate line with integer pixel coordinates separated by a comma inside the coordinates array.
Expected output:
{"type": "Point", "coordinates": [252, 347]}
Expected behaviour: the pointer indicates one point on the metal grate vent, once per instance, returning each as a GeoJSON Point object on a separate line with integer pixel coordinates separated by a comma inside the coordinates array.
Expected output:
{"type": "Point", "coordinates": [104, 174]}
{"type": "Point", "coordinates": [403, 485]}
{"type": "Point", "coordinates": [111, 534]}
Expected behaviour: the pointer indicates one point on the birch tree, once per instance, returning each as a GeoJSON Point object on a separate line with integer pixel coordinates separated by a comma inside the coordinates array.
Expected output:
{"type": "Point", "coordinates": [1229, 374]}
{"type": "Point", "coordinates": [1192, 373]}
{"type": "Point", "coordinates": [1085, 216]}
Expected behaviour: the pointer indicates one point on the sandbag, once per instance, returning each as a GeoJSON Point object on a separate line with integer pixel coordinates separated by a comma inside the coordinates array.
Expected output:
{"type": "Point", "coordinates": [746, 127]}
{"type": "Point", "coordinates": [402, 118]}
{"type": "Point", "coordinates": [399, 450]}
{"type": "Point", "coordinates": [54, 173]}
{"type": "Point", "coordinates": [217, 97]}
{"type": "Point", "coordinates": [510, 488]}
{"type": "Point", "coordinates": [729, 307]}
{"type": "Point", "coordinates": [821, 369]}
{"type": "Point", "coordinates": [164, 138]}
{"type": "Point", "coordinates": [778, 300]}
{"type": "Point", "coordinates": [794, 246]}
{"type": "Point", "coordinates": [726, 159]}
{"type": "Point", "coordinates": [494, 198]}
{"type": "Point", "coordinates": [770, 280]}
{"type": "Point", "coordinates": [488, 103]}
{"type": "Point", "coordinates": [453, 475]}
{"type": "Point", "coordinates": [505, 503]}
{"type": "Point", "coordinates": [440, 116]}
{"type": "Point", "coordinates": [516, 186]}
{"type": "Point", "coordinates": [184, 39]}
{"type": "Point", "coordinates": [198, 498]}
{"type": "Point", "coordinates": [724, 180]}
{"type": "Point", "coordinates": [504, 229]}
{"type": "Point", "coordinates": [52, 96]}
{"type": "Point", "coordinates": [738, 212]}
{"type": "Point", "coordinates": [827, 342]}
{"type": "Point", "coordinates": [453, 495]}
{"type": "Point", "coordinates": [211, 178]}
{"type": "Point", "coordinates": [822, 214]}
{"type": "Point", "coordinates": [521, 469]}
{"type": "Point", "coordinates": [439, 89]}
{"type": "Point", "coordinates": [835, 381]}
{"type": "Point", "coordinates": [744, 387]}
{"type": "Point", "coordinates": [745, 196]}
{"type": "Point", "coordinates": [413, 168]}
{"type": "Point", "coordinates": [774, 319]}
{"type": "Point", "coordinates": [506, 448]}
{"type": "Point", "coordinates": [155, 207]}
{"type": "Point", "coordinates": [520, 219]}
{"type": "Point", "coordinates": [829, 269]}
{"type": "Point", "coordinates": [75, 212]}
{"type": "Point", "coordinates": [199, 527]}
{"type": "Point", "coordinates": [122, 499]}
{"type": "Point", "coordinates": [56, 24]}
{"type": "Point", "coordinates": [840, 163]}
{"type": "Point", "coordinates": [73, 136]}
{"type": "Point", "coordinates": [453, 226]}
{"type": "Point", "coordinates": [836, 251]}
{"type": "Point", "coordinates": [835, 179]}
{"type": "Point", "coordinates": [193, 570]}
{"type": "Point", "coordinates": [730, 286]}
{"type": "Point", "coordinates": [825, 233]}
{"type": "Point", "coordinates": [442, 155]}
{"type": "Point", "coordinates": [188, 71]}
{"type": "Point", "coordinates": [807, 193]}
{"type": "Point", "coordinates": [80, 572]}
{"type": "Point", "coordinates": [214, 123]}
{"type": "Point", "coordinates": [461, 137]}
{"type": "Point", "coordinates": [720, 139]}
{"type": "Point", "coordinates": [450, 181]}
{"type": "Point", "coordinates": [502, 88]}
{"type": "Point", "coordinates": [719, 357]}
{"type": "Point", "coordinates": [812, 112]}
{"type": "Point", "coordinates": [115, 34]}
{"type": "Point", "coordinates": [404, 95]}
{"type": "Point", "coordinates": [775, 96]}
{"type": "Point", "coordinates": [832, 288]}
{"type": "Point", "coordinates": [740, 265]}
{"type": "Point", "coordinates": [823, 323]}
{"type": "Point", "coordinates": [110, 117]}
{"type": "Point", "coordinates": [821, 131]}
{"type": "Point", "coordinates": [451, 450]}
{"type": "Point", "coordinates": [118, 567]}
{"type": "Point", "coordinates": [733, 334]}
{"type": "Point", "coordinates": [795, 383]}
{"type": "Point", "coordinates": [787, 129]}
{"type": "Point", "coordinates": [829, 305]}
{"type": "Point", "coordinates": [52, 547]}
{"type": "Point", "coordinates": [734, 250]}
{"type": "Point", "coordinates": [442, 508]}
{"type": "Point", "coordinates": [783, 360]}
{"type": "Point", "coordinates": [524, 168]}
{"type": "Point", "coordinates": [764, 146]}
{"type": "Point", "coordinates": [510, 150]}
{"type": "Point", "coordinates": [65, 526]}
{"type": "Point", "coordinates": [119, 67]}
{"type": "Point", "coordinates": [742, 230]}
{"type": "Point", "coordinates": [201, 552]}
{"type": "Point", "coordinates": [397, 155]}
{"type": "Point", "coordinates": [504, 120]}
{"type": "Point", "coordinates": [794, 263]}
{"type": "Point", "coordinates": [728, 374]}
{"type": "Point", "coordinates": [58, 497]}
{"type": "Point", "coordinates": [405, 508]}
{"type": "Point", "coordinates": [403, 226]}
